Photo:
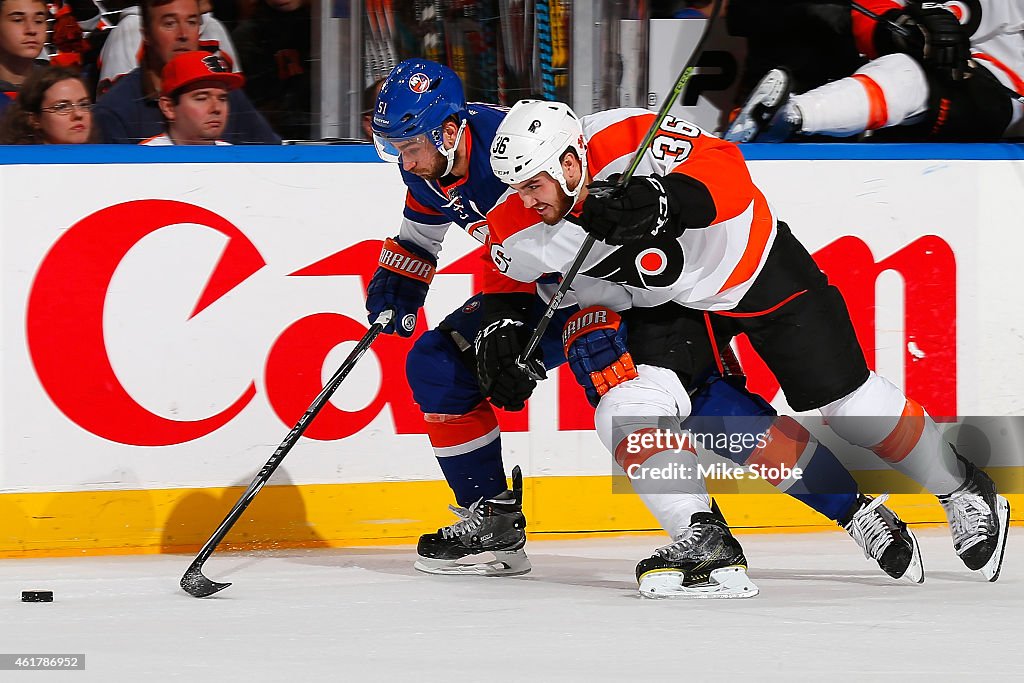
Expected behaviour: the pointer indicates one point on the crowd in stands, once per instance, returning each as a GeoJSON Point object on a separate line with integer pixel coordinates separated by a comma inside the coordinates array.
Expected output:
{"type": "Point", "coordinates": [157, 72]}
{"type": "Point", "coordinates": [95, 70]}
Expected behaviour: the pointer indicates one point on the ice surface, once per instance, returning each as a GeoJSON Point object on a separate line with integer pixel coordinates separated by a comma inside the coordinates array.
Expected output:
{"type": "Point", "coordinates": [362, 614]}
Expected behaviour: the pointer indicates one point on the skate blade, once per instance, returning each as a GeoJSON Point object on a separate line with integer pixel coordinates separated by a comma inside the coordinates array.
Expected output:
{"type": "Point", "coordinates": [505, 563]}
{"type": "Point", "coordinates": [744, 128]}
{"type": "Point", "coordinates": [727, 582]}
{"type": "Point", "coordinates": [995, 563]}
{"type": "Point", "coordinates": [915, 570]}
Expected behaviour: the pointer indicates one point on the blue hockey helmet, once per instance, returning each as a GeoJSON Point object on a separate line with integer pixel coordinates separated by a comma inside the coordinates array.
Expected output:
{"type": "Point", "coordinates": [417, 97]}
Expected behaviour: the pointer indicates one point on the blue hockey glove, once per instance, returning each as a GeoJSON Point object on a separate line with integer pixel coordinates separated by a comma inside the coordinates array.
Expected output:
{"type": "Point", "coordinates": [400, 283]}
{"type": "Point", "coordinates": [595, 345]}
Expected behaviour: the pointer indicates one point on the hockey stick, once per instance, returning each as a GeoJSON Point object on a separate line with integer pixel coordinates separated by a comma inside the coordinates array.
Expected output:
{"type": "Point", "coordinates": [193, 581]}
{"type": "Point", "coordinates": [911, 36]}
{"type": "Point", "coordinates": [588, 243]}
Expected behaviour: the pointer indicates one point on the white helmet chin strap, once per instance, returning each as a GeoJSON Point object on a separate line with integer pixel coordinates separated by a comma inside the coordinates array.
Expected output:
{"type": "Point", "coordinates": [449, 154]}
{"type": "Point", "coordinates": [574, 193]}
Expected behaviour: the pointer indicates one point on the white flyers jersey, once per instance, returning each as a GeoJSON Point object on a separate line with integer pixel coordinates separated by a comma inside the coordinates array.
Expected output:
{"type": "Point", "coordinates": [996, 30]}
{"type": "Point", "coordinates": [997, 37]}
{"type": "Point", "coordinates": [995, 27]}
{"type": "Point", "coordinates": [708, 268]}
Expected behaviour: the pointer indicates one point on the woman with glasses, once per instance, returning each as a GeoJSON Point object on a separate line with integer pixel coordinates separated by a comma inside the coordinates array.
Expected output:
{"type": "Point", "coordinates": [53, 108]}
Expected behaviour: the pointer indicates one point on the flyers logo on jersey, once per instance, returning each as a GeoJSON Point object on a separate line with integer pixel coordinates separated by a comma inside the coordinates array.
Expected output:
{"type": "Point", "coordinates": [651, 262]}
{"type": "Point", "coordinates": [419, 83]}
{"type": "Point", "coordinates": [645, 266]}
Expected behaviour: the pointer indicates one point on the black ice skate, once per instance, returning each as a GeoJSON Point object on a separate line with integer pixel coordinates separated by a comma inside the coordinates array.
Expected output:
{"type": "Point", "coordinates": [495, 525]}
{"type": "Point", "coordinates": [978, 519]}
{"type": "Point", "coordinates": [886, 539]}
{"type": "Point", "coordinates": [765, 116]}
{"type": "Point", "coordinates": [704, 562]}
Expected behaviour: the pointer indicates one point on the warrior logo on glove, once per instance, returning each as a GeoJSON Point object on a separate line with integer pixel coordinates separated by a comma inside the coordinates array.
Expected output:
{"type": "Point", "coordinates": [398, 259]}
{"type": "Point", "coordinates": [595, 346]}
{"type": "Point", "coordinates": [400, 284]}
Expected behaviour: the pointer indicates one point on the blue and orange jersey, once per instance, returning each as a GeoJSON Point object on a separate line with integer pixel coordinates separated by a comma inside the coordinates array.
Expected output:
{"type": "Point", "coordinates": [431, 207]}
{"type": "Point", "coordinates": [466, 201]}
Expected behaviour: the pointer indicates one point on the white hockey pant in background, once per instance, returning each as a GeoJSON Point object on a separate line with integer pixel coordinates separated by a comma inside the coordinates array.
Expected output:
{"type": "Point", "coordinates": [878, 416]}
{"type": "Point", "coordinates": [889, 91]}
{"type": "Point", "coordinates": [654, 402]}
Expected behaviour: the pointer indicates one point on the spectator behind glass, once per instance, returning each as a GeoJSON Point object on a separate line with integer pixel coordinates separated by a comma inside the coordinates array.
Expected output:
{"type": "Point", "coordinates": [79, 33]}
{"type": "Point", "coordinates": [194, 99]}
{"type": "Point", "coordinates": [274, 45]}
{"type": "Point", "coordinates": [22, 34]}
{"type": "Point", "coordinates": [121, 51]}
{"type": "Point", "coordinates": [130, 113]}
{"type": "Point", "coordinates": [53, 108]}
{"type": "Point", "coordinates": [369, 104]}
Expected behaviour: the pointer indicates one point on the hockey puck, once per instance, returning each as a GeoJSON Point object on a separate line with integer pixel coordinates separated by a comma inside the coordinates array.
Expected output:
{"type": "Point", "coordinates": [37, 596]}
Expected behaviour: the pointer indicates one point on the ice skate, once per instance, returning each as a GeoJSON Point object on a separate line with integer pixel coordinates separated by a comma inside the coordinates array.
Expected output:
{"type": "Point", "coordinates": [495, 525]}
{"type": "Point", "coordinates": [704, 562]}
{"type": "Point", "coordinates": [886, 539]}
{"type": "Point", "coordinates": [765, 116]}
{"type": "Point", "coordinates": [978, 520]}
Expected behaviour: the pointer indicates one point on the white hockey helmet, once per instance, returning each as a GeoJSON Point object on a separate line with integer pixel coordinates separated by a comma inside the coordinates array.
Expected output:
{"type": "Point", "coordinates": [532, 139]}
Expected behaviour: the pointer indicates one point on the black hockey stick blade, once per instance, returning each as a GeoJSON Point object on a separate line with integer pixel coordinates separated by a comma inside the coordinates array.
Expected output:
{"type": "Point", "coordinates": [194, 582]}
{"type": "Point", "coordinates": [588, 242]}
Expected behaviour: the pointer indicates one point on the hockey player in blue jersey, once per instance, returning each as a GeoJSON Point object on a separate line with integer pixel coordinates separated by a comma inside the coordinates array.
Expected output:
{"type": "Point", "coordinates": [422, 122]}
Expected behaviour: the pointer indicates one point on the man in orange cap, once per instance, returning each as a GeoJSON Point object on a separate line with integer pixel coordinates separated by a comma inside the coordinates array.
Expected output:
{"type": "Point", "coordinates": [194, 99]}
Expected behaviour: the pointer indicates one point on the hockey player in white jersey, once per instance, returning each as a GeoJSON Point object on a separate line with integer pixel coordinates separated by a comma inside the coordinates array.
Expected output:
{"type": "Point", "coordinates": [691, 229]}
{"type": "Point", "coordinates": [939, 71]}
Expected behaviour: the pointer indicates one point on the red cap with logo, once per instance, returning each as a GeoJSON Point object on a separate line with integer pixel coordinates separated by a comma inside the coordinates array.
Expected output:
{"type": "Point", "coordinates": [193, 67]}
